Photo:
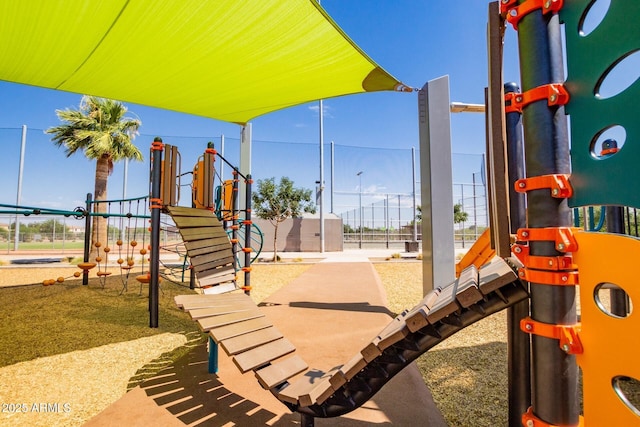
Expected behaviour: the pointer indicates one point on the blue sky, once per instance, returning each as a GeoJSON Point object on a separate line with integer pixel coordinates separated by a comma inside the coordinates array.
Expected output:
{"type": "Point", "coordinates": [416, 41]}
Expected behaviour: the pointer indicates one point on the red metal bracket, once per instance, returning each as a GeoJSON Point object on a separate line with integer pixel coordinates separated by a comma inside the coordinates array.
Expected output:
{"type": "Point", "coordinates": [566, 334]}
{"type": "Point", "coordinates": [546, 277]}
{"type": "Point", "coordinates": [562, 236]}
{"type": "Point", "coordinates": [558, 184]}
{"type": "Point", "coordinates": [553, 263]}
{"type": "Point", "coordinates": [530, 420]}
{"type": "Point", "coordinates": [514, 13]}
{"type": "Point", "coordinates": [554, 93]}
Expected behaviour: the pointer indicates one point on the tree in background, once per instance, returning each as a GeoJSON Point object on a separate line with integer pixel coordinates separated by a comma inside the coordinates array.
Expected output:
{"type": "Point", "coordinates": [458, 214]}
{"type": "Point", "coordinates": [99, 129]}
{"type": "Point", "coordinates": [278, 202]}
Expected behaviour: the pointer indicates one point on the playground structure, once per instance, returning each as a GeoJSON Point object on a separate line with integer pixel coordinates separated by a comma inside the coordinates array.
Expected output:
{"type": "Point", "coordinates": [548, 340]}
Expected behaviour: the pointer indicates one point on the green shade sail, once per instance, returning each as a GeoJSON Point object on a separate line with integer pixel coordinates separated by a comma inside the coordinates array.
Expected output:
{"type": "Point", "coordinates": [231, 60]}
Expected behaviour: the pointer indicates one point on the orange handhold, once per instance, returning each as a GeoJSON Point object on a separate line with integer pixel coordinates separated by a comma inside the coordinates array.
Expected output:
{"type": "Point", "coordinates": [86, 265]}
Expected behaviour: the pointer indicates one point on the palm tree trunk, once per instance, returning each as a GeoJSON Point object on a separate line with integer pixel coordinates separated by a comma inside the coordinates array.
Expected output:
{"type": "Point", "coordinates": [100, 224]}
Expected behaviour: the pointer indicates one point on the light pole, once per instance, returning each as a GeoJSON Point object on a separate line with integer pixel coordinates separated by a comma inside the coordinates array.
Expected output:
{"type": "Point", "coordinates": [359, 175]}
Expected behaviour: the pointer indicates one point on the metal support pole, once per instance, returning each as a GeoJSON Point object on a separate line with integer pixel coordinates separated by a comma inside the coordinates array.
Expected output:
{"type": "Point", "coordinates": [386, 219]}
{"type": "Point", "coordinates": [23, 144]}
{"type": "Point", "coordinates": [414, 238]}
{"type": "Point", "coordinates": [247, 237]}
{"type": "Point", "coordinates": [321, 184]}
{"type": "Point", "coordinates": [518, 343]}
{"type": "Point", "coordinates": [235, 218]}
{"type": "Point", "coordinates": [332, 173]}
{"type": "Point", "coordinates": [155, 205]}
{"type": "Point", "coordinates": [359, 174]}
{"type": "Point", "coordinates": [554, 372]}
{"type": "Point", "coordinates": [87, 238]}
{"type": "Point", "coordinates": [222, 163]}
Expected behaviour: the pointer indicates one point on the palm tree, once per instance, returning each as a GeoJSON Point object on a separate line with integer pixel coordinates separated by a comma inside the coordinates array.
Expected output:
{"type": "Point", "coordinates": [100, 129]}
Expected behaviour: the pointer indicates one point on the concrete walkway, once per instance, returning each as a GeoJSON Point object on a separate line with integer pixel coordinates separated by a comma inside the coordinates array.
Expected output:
{"type": "Point", "coordinates": [329, 313]}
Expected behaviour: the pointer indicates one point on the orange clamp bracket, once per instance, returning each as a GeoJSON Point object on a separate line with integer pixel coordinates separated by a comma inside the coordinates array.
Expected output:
{"type": "Point", "coordinates": [546, 277]}
{"type": "Point", "coordinates": [558, 183]}
{"type": "Point", "coordinates": [566, 334]}
{"type": "Point", "coordinates": [247, 222]}
{"type": "Point", "coordinates": [562, 236]}
{"type": "Point", "coordinates": [530, 420]}
{"type": "Point", "coordinates": [247, 250]}
{"type": "Point", "coordinates": [514, 12]}
{"type": "Point", "coordinates": [554, 93]}
{"type": "Point", "coordinates": [155, 203]}
{"type": "Point", "coordinates": [554, 263]}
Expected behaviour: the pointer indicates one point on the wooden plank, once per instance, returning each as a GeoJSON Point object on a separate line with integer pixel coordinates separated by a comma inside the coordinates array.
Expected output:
{"type": "Point", "coordinates": [468, 292]}
{"type": "Point", "coordinates": [217, 278]}
{"type": "Point", "coordinates": [200, 313]}
{"type": "Point", "coordinates": [208, 242]}
{"type": "Point", "coordinates": [208, 262]}
{"type": "Point", "coordinates": [307, 391]}
{"type": "Point", "coordinates": [225, 332]}
{"type": "Point", "coordinates": [495, 275]}
{"type": "Point", "coordinates": [445, 305]}
{"type": "Point", "coordinates": [248, 341]}
{"type": "Point", "coordinates": [202, 301]}
{"type": "Point", "coordinates": [226, 319]}
{"type": "Point", "coordinates": [181, 211]}
{"type": "Point", "coordinates": [211, 248]}
{"type": "Point", "coordinates": [417, 318]}
{"type": "Point", "coordinates": [280, 371]}
{"type": "Point", "coordinates": [220, 288]}
{"type": "Point", "coordinates": [353, 366]}
{"type": "Point", "coordinates": [262, 355]}
{"type": "Point", "coordinates": [199, 233]}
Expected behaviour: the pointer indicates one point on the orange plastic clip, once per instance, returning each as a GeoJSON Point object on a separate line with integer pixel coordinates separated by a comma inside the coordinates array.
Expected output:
{"type": "Point", "coordinates": [562, 236]}
{"type": "Point", "coordinates": [530, 420]}
{"type": "Point", "coordinates": [514, 12]}
{"type": "Point", "coordinates": [566, 334]}
{"type": "Point", "coordinates": [247, 250]}
{"type": "Point", "coordinates": [545, 277]}
{"type": "Point", "coordinates": [557, 183]}
{"type": "Point", "coordinates": [155, 203]}
{"type": "Point", "coordinates": [555, 263]}
{"type": "Point", "coordinates": [554, 93]}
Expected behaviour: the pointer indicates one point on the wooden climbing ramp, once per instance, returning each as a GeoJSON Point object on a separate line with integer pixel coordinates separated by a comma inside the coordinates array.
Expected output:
{"type": "Point", "coordinates": [208, 248]}
{"type": "Point", "coordinates": [254, 344]}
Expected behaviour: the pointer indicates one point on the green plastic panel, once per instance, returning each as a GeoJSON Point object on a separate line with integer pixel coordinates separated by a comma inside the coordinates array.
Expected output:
{"type": "Point", "coordinates": [613, 179]}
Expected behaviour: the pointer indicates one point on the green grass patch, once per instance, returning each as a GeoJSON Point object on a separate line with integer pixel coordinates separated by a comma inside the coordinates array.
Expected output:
{"type": "Point", "coordinates": [39, 321]}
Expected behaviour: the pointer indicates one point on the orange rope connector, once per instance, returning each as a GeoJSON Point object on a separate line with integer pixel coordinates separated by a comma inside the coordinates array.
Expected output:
{"type": "Point", "coordinates": [246, 288]}
{"type": "Point", "coordinates": [247, 250]}
{"type": "Point", "coordinates": [246, 269]}
{"type": "Point", "coordinates": [247, 222]}
{"type": "Point", "coordinates": [234, 240]}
